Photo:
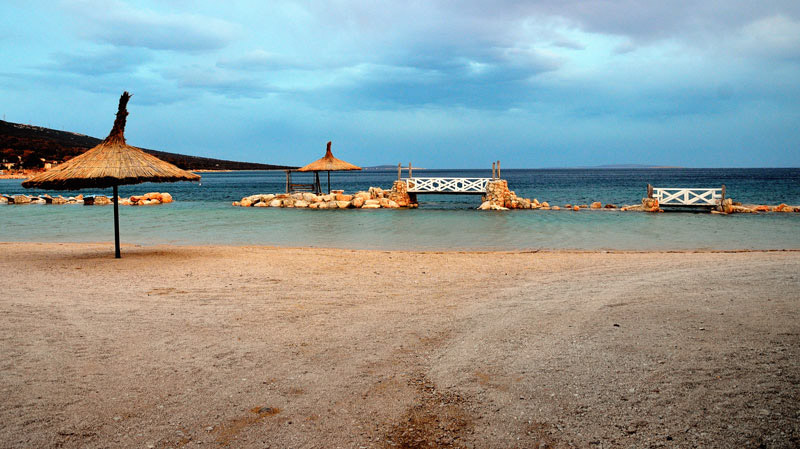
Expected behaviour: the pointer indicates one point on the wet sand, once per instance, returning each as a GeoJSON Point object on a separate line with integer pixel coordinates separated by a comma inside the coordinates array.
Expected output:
{"type": "Point", "coordinates": [272, 347]}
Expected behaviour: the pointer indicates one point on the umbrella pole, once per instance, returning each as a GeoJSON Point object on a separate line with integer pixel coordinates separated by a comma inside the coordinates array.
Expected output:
{"type": "Point", "coordinates": [329, 182]}
{"type": "Point", "coordinates": [116, 223]}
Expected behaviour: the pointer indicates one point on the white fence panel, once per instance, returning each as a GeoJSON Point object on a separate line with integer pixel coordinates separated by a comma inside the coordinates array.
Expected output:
{"type": "Point", "coordinates": [447, 185]}
{"type": "Point", "coordinates": [687, 196]}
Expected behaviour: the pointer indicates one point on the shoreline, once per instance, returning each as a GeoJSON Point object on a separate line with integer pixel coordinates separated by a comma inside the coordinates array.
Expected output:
{"type": "Point", "coordinates": [197, 246]}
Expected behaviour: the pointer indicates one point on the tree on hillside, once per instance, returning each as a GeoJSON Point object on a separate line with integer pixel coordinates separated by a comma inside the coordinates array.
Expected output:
{"type": "Point", "coordinates": [32, 160]}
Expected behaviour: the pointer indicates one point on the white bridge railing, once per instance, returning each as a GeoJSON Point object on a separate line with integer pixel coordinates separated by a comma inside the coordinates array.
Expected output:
{"type": "Point", "coordinates": [687, 197]}
{"type": "Point", "coordinates": [447, 185]}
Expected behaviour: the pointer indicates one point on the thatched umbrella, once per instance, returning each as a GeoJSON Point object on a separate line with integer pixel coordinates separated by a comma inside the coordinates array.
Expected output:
{"type": "Point", "coordinates": [112, 163]}
{"type": "Point", "coordinates": [329, 163]}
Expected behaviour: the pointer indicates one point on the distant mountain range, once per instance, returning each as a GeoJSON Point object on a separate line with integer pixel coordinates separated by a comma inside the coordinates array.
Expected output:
{"type": "Point", "coordinates": [630, 166]}
{"type": "Point", "coordinates": [30, 144]}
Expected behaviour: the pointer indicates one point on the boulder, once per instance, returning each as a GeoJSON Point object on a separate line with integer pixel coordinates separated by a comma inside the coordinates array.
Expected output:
{"type": "Point", "coordinates": [358, 201]}
{"type": "Point", "coordinates": [556, 208]}
{"type": "Point", "coordinates": [597, 205]}
{"type": "Point", "coordinates": [297, 196]}
{"type": "Point", "coordinates": [568, 206]}
{"type": "Point", "coordinates": [393, 204]}
{"type": "Point", "coordinates": [309, 197]}
{"type": "Point", "coordinates": [332, 205]}
{"type": "Point", "coordinates": [235, 203]}
{"type": "Point", "coordinates": [246, 202]}
{"type": "Point", "coordinates": [260, 204]}
{"type": "Point", "coordinates": [313, 206]}
{"type": "Point", "coordinates": [727, 206]}
{"type": "Point", "coordinates": [302, 204]}
{"type": "Point", "coordinates": [783, 208]}
{"type": "Point", "coordinates": [486, 205]}
{"type": "Point", "coordinates": [39, 201]}
{"type": "Point", "coordinates": [21, 199]}
{"type": "Point", "coordinates": [584, 206]}
{"type": "Point", "coordinates": [545, 204]}
{"type": "Point", "coordinates": [322, 205]}
{"type": "Point", "coordinates": [376, 192]}
{"type": "Point", "coordinates": [342, 197]}
{"type": "Point", "coordinates": [275, 203]}
{"type": "Point", "coordinates": [742, 210]}
{"type": "Point", "coordinates": [102, 200]}
{"type": "Point", "coordinates": [496, 207]}
{"type": "Point", "coordinates": [342, 204]}
{"type": "Point", "coordinates": [650, 205]}
{"type": "Point", "coordinates": [288, 202]}
{"type": "Point", "coordinates": [337, 192]}
{"type": "Point", "coordinates": [122, 202]}
{"type": "Point", "coordinates": [3, 200]}
{"type": "Point", "coordinates": [152, 196]}
{"type": "Point", "coordinates": [371, 206]}
{"type": "Point", "coordinates": [363, 195]}
{"type": "Point", "coordinates": [166, 198]}
{"type": "Point", "coordinates": [576, 208]}
{"type": "Point", "coordinates": [384, 202]}
{"type": "Point", "coordinates": [59, 200]}
{"type": "Point", "coordinates": [372, 203]}
{"type": "Point", "coordinates": [610, 206]}
{"type": "Point", "coordinates": [762, 208]}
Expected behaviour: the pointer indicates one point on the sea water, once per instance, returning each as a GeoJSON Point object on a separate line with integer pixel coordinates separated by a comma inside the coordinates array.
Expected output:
{"type": "Point", "coordinates": [202, 214]}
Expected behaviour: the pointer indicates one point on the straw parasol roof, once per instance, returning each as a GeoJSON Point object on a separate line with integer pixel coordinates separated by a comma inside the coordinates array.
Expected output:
{"type": "Point", "coordinates": [111, 163]}
{"type": "Point", "coordinates": [329, 163]}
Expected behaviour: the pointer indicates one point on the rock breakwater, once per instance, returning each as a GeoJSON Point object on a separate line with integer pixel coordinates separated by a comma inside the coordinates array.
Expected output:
{"type": "Point", "coordinates": [374, 198]}
{"type": "Point", "coordinates": [148, 199]}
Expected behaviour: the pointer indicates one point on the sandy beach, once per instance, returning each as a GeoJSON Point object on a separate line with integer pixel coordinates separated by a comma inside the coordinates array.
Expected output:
{"type": "Point", "coordinates": [254, 347]}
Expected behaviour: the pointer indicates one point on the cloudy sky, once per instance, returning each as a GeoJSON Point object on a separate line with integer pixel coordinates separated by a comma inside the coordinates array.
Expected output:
{"type": "Point", "coordinates": [550, 83]}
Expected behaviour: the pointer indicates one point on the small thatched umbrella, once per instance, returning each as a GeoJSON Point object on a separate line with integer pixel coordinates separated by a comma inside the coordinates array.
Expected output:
{"type": "Point", "coordinates": [329, 163]}
{"type": "Point", "coordinates": [112, 163]}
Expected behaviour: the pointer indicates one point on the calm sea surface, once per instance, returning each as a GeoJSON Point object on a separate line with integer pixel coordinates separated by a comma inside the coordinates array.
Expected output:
{"type": "Point", "coordinates": [202, 214]}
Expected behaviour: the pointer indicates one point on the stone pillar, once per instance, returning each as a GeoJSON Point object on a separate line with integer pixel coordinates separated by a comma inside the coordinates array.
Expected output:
{"type": "Point", "coordinates": [497, 192]}
{"type": "Point", "coordinates": [399, 194]}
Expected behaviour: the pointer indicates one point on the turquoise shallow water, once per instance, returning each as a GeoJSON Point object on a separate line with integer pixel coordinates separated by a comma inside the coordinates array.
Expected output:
{"type": "Point", "coordinates": [202, 214]}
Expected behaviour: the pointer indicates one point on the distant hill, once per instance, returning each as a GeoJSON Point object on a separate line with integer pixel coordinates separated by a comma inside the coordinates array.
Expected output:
{"type": "Point", "coordinates": [33, 143]}
{"type": "Point", "coordinates": [630, 166]}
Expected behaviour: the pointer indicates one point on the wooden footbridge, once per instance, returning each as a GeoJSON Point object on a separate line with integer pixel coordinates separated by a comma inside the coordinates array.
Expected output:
{"type": "Point", "coordinates": [447, 186]}
{"type": "Point", "coordinates": [686, 197]}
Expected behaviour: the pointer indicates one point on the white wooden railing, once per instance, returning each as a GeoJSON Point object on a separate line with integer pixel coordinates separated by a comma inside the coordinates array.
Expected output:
{"type": "Point", "coordinates": [447, 185]}
{"type": "Point", "coordinates": [687, 196]}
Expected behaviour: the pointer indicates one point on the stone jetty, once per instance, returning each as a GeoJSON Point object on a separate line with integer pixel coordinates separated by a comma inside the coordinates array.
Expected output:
{"type": "Point", "coordinates": [148, 199]}
{"type": "Point", "coordinates": [374, 198]}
